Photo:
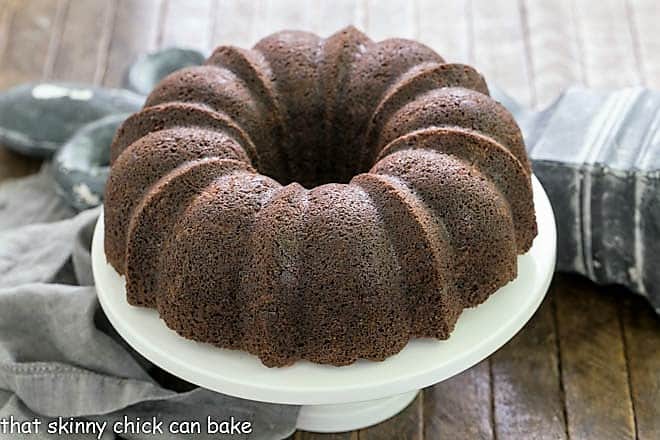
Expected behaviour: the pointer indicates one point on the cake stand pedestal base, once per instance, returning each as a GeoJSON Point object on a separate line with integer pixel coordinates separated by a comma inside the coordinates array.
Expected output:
{"type": "Point", "coordinates": [338, 399]}
{"type": "Point", "coordinates": [352, 416]}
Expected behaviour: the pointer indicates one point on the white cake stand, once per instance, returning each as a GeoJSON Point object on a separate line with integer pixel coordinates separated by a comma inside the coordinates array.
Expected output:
{"type": "Point", "coordinates": [336, 399]}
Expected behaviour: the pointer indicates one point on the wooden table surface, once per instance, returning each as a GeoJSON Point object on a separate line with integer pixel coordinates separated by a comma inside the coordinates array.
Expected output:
{"type": "Point", "coordinates": [587, 366]}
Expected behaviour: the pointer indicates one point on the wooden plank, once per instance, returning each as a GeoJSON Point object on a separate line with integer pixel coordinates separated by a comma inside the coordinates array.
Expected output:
{"type": "Point", "coordinates": [188, 23]}
{"type": "Point", "coordinates": [391, 18]}
{"type": "Point", "coordinates": [329, 16]}
{"type": "Point", "coordinates": [135, 32]}
{"type": "Point", "coordinates": [276, 15]}
{"type": "Point", "coordinates": [302, 435]}
{"type": "Point", "coordinates": [6, 16]}
{"type": "Point", "coordinates": [607, 47]}
{"type": "Point", "coordinates": [594, 368]}
{"type": "Point", "coordinates": [526, 403]}
{"type": "Point", "coordinates": [25, 43]}
{"type": "Point", "coordinates": [554, 51]}
{"type": "Point", "coordinates": [408, 425]}
{"type": "Point", "coordinates": [244, 23]}
{"type": "Point", "coordinates": [593, 364]}
{"type": "Point", "coordinates": [16, 165]}
{"type": "Point", "coordinates": [31, 24]}
{"type": "Point", "coordinates": [641, 328]}
{"type": "Point", "coordinates": [79, 57]}
{"type": "Point", "coordinates": [235, 23]}
{"type": "Point", "coordinates": [460, 407]}
{"type": "Point", "coordinates": [446, 29]}
{"type": "Point", "coordinates": [506, 63]}
{"type": "Point", "coordinates": [644, 16]}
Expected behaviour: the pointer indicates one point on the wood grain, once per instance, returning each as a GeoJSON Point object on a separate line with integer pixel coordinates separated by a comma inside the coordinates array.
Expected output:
{"type": "Point", "coordinates": [276, 15]}
{"type": "Point", "coordinates": [408, 425]}
{"type": "Point", "coordinates": [460, 407]}
{"type": "Point", "coordinates": [593, 362]}
{"type": "Point", "coordinates": [332, 15]}
{"type": "Point", "coordinates": [16, 165]}
{"type": "Point", "coordinates": [135, 32]}
{"type": "Point", "coordinates": [26, 29]}
{"type": "Point", "coordinates": [643, 16]}
{"type": "Point", "coordinates": [228, 29]}
{"type": "Point", "coordinates": [607, 50]}
{"type": "Point", "coordinates": [553, 48]}
{"type": "Point", "coordinates": [587, 364]}
{"type": "Point", "coordinates": [499, 47]}
{"type": "Point", "coordinates": [642, 339]}
{"type": "Point", "coordinates": [301, 435]}
{"type": "Point", "coordinates": [7, 10]}
{"type": "Point", "coordinates": [77, 56]}
{"type": "Point", "coordinates": [31, 27]}
{"type": "Point", "coordinates": [187, 23]}
{"type": "Point", "coordinates": [391, 18]}
{"type": "Point", "coordinates": [447, 29]}
{"type": "Point", "coordinates": [526, 383]}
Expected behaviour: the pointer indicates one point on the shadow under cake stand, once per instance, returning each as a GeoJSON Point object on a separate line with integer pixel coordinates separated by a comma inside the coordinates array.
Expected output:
{"type": "Point", "coordinates": [336, 399]}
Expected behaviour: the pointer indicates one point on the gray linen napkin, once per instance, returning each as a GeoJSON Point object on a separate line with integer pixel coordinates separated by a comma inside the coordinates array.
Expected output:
{"type": "Point", "coordinates": [59, 357]}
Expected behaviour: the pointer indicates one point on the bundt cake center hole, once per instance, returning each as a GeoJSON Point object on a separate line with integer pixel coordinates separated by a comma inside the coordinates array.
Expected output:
{"type": "Point", "coordinates": [320, 166]}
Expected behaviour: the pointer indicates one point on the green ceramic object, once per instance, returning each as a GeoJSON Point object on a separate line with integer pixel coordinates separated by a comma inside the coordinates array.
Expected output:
{"type": "Point", "coordinates": [81, 166]}
{"type": "Point", "coordinates": [149, 69]}
{"type": "Point", "coordinates": [36, 119]}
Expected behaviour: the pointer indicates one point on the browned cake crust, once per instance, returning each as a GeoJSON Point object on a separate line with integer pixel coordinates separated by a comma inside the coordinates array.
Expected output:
{"type": "Point", "coordinates": [319, 199]}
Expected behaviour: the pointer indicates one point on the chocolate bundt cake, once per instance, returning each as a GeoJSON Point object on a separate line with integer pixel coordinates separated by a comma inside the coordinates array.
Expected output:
{"type": "Point", "coordinates": [321, 199]}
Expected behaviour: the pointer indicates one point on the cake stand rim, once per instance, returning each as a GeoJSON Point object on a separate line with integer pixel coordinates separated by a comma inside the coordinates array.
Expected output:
{"type": "Point", "coordinates": [274, 387]}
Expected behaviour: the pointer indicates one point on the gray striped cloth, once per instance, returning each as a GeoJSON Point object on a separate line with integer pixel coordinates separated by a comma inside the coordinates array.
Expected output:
{"type": "Point", "coordinates": [597, 154]}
